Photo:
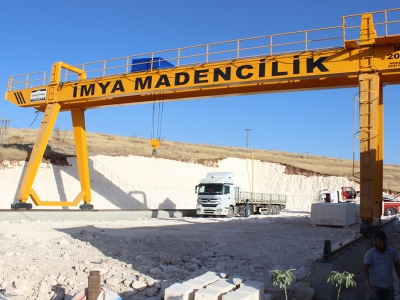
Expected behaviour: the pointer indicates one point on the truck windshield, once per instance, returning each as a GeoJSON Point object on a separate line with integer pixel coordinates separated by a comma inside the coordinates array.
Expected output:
{"type": "Point", "coordinates": [211, 189]}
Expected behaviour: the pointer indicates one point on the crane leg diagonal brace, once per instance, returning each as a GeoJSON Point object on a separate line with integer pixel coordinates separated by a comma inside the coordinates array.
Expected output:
{"type": "Point", "coordinates": [46, 127]}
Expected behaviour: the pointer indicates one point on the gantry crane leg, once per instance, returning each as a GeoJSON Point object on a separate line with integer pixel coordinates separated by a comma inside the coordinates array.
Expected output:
{"type": "Point", "coordinates": [371, 150]}
{"type": "Point", "coordinates": [42, 138]}
{"type": "Point", "coordinates": [78, 122]}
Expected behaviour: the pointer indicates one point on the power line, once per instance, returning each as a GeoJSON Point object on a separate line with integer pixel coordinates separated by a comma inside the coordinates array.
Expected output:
{"type": "Point", "coordinates": [37, 114]}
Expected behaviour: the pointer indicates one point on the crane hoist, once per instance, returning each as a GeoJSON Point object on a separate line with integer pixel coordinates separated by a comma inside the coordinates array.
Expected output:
{"type": "Point", "coordinates": [156, 125]}
{"type": "Point", "coordinates": [361, 52]}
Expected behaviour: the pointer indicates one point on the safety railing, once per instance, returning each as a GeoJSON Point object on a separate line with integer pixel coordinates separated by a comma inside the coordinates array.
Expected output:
{"type": "Point", "coordinates": [261, 46]}
{"type": "Point", "coordinates": [26, 81]}
{"type": "Point", "coordinates": [387, 23]}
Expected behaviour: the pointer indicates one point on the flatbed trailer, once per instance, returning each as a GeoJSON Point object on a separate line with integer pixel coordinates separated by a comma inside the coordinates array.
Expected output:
{"type": "Point", "coordinates": [260, 203]}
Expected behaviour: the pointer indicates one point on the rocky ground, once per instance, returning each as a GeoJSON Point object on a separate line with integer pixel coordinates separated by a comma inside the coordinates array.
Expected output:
{"type": "Point", "coordinates": [139, 259]}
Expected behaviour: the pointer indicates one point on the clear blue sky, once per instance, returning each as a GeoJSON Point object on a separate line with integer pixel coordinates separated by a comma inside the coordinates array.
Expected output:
{"type": "Point", "coordinates": [35, 34]}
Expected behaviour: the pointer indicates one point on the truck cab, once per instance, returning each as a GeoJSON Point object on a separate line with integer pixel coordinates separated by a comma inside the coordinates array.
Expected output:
{"type": "Point", "coordinates": [349, 194]}
{"type": "Point", "coordinates": [346, 194]}
{"type": "Point", "coordinates": [216, 195]}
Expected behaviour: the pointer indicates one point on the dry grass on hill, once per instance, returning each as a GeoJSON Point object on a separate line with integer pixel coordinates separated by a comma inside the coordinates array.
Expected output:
{"type": "Point", "coordinates": [17, 144]}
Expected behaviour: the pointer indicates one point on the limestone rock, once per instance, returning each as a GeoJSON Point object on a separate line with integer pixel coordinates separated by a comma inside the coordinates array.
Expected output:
{"type": "Point", "coordinates": [150, 281]}
{"type": "Point", "coordinates": [151, 291]}
{"type": "Point", "coordinates": [113, 280]}
{"type": "Point", "coordinates": [128, 281]}
{"type": "Point", "coordinates": [138, 285]}
{"type": "Point", "coordinates": [302, 272]}
{"type": "Point", "coordinates": [193, 267]}
{"type": "Point", "coordinates": [43, 288]}
{"type": "Point", "coordinates": [20, 283]}
{"type": "Point", "coordinates": [237, 281]}
{"type": "Point", "coordinates": [155, 271]}
{"type": "Point", "coordinates": [63, 242]}
{"type": "Point", "coordinates": [303, 292]}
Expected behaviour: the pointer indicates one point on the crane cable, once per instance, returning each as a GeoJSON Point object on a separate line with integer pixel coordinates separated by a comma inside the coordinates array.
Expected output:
{"type": "Point", "coordinates": [155, 137]}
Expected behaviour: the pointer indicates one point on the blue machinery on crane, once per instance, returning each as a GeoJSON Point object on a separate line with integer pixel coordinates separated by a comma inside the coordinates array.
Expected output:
{"type": "Point", "coordinates": [363, 51]}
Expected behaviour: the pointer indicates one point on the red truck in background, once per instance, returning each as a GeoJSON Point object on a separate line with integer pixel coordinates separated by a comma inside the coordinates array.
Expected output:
{"type": "Point", "coordinates": [349, 194]}
{"type": "Point", "coordinates": [391, 204]}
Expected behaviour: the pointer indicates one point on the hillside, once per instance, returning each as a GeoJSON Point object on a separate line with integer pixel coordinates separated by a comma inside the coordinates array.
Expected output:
{"type": "Point", "coordinates": [16, 144]}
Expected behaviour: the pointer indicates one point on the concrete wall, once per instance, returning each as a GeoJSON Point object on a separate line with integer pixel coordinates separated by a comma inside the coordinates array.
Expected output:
{"type": "Point", "coordinates": [135, 182]}
{"type": "Point", "coordinates": [351, 261]}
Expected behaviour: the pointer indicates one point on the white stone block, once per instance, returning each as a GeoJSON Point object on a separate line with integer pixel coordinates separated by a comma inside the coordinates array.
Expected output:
{"type": "Point", "coordinates": [333, 214]}
{"type": "Point", "coordinates": [236, 295]}
{"type": "Point", "coordinates": [178, 291]}
{"type": "Point", "coordinates": [206, 294]}
{"type": "Point", "coordinates": [223, 286]}
{"type": "Point", "coordinates": [208, 277]}
{"type": "Point", "coordinates": [255, 293]}
{"type": "Point", "coordinates": [195, 285]}
{"type": "Point", "coordinates": [260, 286]}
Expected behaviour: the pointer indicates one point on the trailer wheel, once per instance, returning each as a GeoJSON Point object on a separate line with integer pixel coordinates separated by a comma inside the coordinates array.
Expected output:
{"type": "Point", "coordinates": [230, 212]}
{"type": "Point", "coordinates": [390, 211]}
{"type": "Point", "coordinates": [278, 209]}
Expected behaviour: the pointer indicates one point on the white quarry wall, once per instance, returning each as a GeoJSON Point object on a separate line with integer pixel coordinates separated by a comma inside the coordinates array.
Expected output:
{"type": "Point", "coordinates": [136, 182]}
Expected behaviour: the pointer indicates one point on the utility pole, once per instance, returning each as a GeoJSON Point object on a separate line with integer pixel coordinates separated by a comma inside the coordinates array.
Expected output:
{"type": "Point", "coordinates": [247, 137]}
{"type": "Point", "coordinates": [4, 127]}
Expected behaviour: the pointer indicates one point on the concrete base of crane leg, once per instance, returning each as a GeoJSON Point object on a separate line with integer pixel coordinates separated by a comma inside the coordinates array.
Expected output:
{"type": "Point", "coordinates": [21, 205]}
{"type": "Point", "coordinates": [86, 206]}
{"type": "Point", "coordinates": [333, 214]}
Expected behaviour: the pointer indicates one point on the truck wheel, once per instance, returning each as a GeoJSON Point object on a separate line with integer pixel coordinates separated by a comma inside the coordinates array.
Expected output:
{"type": "Point", "coordinates": [278, 210]}
{"type": "Point", "coordinates": [274, 209]}
{"type": "Point", "coordinates": [390, 211]}
{"type": "Point", "coordinates": [230, 212]}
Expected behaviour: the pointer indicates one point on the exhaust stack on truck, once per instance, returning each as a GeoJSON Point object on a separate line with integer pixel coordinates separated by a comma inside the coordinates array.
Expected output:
{"type": "Point", "coordinates": [218, 196]}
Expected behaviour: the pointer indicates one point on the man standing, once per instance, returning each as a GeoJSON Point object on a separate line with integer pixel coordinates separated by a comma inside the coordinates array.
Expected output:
{"type": "Point", "coordinates": [378, 271]}
{"type": "Point", "coordinates": [247, 208]}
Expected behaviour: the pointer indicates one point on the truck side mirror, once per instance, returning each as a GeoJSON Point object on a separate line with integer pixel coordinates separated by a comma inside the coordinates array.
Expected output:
{"type": "Point", "coordinates": [195, 189]}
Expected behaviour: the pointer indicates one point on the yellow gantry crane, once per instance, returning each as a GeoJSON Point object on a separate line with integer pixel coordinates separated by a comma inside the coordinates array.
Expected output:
{"type": "Point", "coordinates": [363, 51]}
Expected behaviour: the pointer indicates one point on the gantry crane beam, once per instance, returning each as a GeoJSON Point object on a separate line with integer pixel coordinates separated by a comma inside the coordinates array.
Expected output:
{"type": "Point", "coordinates": [369, 62]}
{"type": "Point", "coordinates": [309, 70]}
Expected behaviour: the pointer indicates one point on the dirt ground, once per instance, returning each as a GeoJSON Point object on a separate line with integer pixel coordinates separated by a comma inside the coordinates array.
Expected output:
{"type": "Point", "coordinates": [138, 259]}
